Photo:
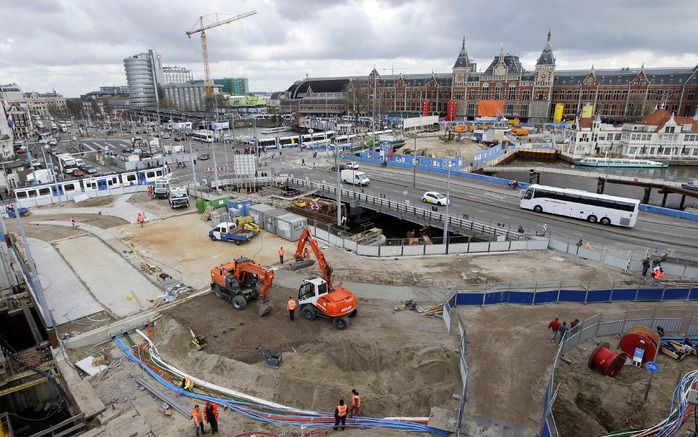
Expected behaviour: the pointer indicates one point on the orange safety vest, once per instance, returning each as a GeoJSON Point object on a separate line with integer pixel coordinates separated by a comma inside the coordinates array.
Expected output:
{"type": "Point", "coordinates": [140, 217]}
{"type": "Point", "coordinates": [196, 415]}
{"type": "Point", "coordinates": [659, 275]}
{"type": "Point", "coordinates": [341, 410]}
{"type": "Point", "coordinates": [355, 401]}
{"type": "Point", "coordinates": [291, 304]}
{"type": "Point", "coordinates": [282, 252]}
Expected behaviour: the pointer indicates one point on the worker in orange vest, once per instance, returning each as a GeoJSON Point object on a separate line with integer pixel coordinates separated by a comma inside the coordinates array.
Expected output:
{"type": "Point", "coordinates": [141, 218]}
{"type": "Point", "coordinates": [282, 252]}
{"type": "Point", "coordinates": [340, 415]}
{"type": "Point", "coordinates": [658, 275]}
{"type": "Point", "coordinates": [355, 409]}
{"type": "Point", "coordinates": [291, 308]}
{"type": "Point", "coordinates": [306, 253]}
{"type": "Point", "coordinates": [198, 420]}
{"type": "Point", "coordinates": [211, 416]}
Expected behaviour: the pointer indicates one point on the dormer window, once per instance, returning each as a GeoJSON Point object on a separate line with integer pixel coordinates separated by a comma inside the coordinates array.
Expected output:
{"type": "Point", "coordinates": [669, 129]}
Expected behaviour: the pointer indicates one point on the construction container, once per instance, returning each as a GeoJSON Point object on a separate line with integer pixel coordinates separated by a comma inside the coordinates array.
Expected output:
{"type": "Point", "coordinates": [290, 226]}
{"type": "Point", "coordinates": [257, 212]}
{"type": "Point", "coordinates": [269, 223]}
{"type": "Point", "coordinates": [239, 207]}
{"type": "Point", "coordinates": [202, 204]}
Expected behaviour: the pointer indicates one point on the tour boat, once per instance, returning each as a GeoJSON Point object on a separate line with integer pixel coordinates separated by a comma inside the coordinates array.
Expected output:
{"type": "Point", "coordinates": [620, 162]}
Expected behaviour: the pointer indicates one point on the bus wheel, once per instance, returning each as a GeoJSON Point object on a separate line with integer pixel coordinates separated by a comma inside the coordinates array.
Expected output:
{"type": "Point", "coordinates": [592, 219]}
{"type": "Point", "coordinates": [538, 208]}
{"type": "Point", "coordinates": [605, 221]}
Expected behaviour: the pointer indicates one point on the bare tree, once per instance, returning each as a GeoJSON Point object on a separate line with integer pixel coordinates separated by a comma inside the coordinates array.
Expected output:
{"type": "Point", "coordinates": [358, 97]}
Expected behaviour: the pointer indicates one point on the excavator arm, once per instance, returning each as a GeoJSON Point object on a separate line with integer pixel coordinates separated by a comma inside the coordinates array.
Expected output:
{"type": "Point", "coordinates": [325, 267]}
{"type": "Point", "coordinates": [265, 276]}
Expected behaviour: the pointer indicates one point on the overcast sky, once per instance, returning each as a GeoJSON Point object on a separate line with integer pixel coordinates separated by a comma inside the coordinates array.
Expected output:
{"type": "Point", "coordinates": [75, 46]}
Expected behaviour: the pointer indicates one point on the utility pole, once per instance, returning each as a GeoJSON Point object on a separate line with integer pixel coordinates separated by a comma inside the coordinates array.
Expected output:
{"type": "Point", "coordinates": [339, 189]}
{"type": "Point", "coordinates": [193, 164]}
{"type": "Point", "coordinates": [414, 162]}
{"type": "Point", "coordinates": [448, 200]}
{"type": "Point", "coordinates": [215, 167]}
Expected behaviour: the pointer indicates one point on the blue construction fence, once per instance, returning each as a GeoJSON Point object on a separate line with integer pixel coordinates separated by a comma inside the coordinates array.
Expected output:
{"type": "Point", "coordinates": [369, 159]}
{"type": "Point", "coordinates": [669, 212]}
{"type": "Point", "coordinates": [655, 294]}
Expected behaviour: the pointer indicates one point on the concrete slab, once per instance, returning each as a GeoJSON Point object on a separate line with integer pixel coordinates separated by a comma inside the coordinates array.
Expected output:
{"type": "Point", "coordinates": [68, 299]}
{"type": "Point", "coordinates": [121, 208]}
{"type": "Point", "coordinates": [114, 282]}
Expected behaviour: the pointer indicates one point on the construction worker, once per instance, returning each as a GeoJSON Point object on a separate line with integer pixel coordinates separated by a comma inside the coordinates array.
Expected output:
{"type": "Point", "coordinates": [141, 218]}
{"type": "Point", "coordinates": [340, 415]}
{"type": "Point", "coordinates": [198, 420]}
{"type": "Point", "coordinates": [187, 384]}
{"type": "Point", "coordinates": [355, 409]}
{"type": "Point", "coordinates": [282, 252]}
{"type": "Point", "coordinates": [73, 222]}
{"type": "Point", "coordinates": [306, 253]}
{"type": "Point", "coordinates": [211, 416]}
{"type": "Point", "coordinates": [291, 308]}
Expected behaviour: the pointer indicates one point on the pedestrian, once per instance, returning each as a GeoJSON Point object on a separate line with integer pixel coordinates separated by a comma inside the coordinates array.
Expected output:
{"type": "Point", "coordinates": [355, 409]}
{"type": "Point", "coordinates": [291, 308]}
{"type": "Point", "coordinates": [574, 326]}
{"type": "Point", "coordinates": [658, 276]}
{"type": "Point", "coordinates": [282, 252]}
{"type": "Point", "coordinates": [73, 222]}
{"type": "Point", "coordinates": [303, 161]}
{"type": "Point", "coordinates": [555, 326]}
{"type": "Point", "coordinates": [198, 420]}
{"type": "Point", "coordinates": [211, 416]}
{"type": "Point", "coordinates": [141, 218]}
{"type": "Point", "coordinates": [340, 415]}
{"type": "Point", "coordinates": [563, 329]}
{"type": "Point", "coordinates": [306, 253]}
{"type": "Point", "coordinates": [645, 266]}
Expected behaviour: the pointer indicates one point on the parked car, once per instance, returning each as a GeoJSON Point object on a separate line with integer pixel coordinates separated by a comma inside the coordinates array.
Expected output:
{"type": "Point", "coordinates": [87, 167]}
{"type": "Point", "coordinates": [203, 157]}
{"type": "Point", "coordinates": [435, 198]}
{"type": "Point", "coordinates": [341, 167]}
{"type": "Point", "coordinates": [691, 185]}
{"type": "Point", "coordinates": [351, 165]}
{"type": "Point", "coordinates": [36, 163]}
{"type": "Point", "coordinates": [78, 173]}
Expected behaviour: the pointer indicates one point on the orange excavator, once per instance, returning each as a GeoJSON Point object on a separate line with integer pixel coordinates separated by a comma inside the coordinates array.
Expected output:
{"type": "Point", "coordinates": [241, 281]}
{"type": "Point", "coordinates": [319, 297]}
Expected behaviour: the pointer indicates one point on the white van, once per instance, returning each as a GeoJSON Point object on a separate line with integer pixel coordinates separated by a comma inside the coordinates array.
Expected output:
{"type": "Point", "coordinates": [354, 177]}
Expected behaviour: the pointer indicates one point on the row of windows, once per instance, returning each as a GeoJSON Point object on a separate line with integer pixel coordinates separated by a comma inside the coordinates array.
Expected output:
{"type": "Point", "coordinates": [604, 203]}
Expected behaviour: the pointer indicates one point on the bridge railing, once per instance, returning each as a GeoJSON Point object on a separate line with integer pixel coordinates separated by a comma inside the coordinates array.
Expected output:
{"type": "Point", "coordinates": [434, 218]}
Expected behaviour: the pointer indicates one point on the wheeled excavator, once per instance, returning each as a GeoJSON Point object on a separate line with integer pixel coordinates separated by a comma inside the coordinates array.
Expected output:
{"type": "Point", "coordinates": [319, 297]}
{"type": "Point", "coordinates": [241, 281]}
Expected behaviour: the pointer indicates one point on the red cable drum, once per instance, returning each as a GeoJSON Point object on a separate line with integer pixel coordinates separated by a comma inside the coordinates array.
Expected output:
{"type": "Point", "coordinates": [607, 362]}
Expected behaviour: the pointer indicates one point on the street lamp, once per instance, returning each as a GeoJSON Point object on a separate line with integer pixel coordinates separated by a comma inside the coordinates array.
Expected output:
{"type": "Point", "coordinates": [414, 162]}
{"type": "Point", "coordinates": [448, 200]}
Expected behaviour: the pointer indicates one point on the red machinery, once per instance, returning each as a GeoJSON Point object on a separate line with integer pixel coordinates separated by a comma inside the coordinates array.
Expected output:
{"type": "Point", "coordinates": [425, 108]}
{"type": "Point", "coordinates": [451, 110]}
{"type": "Point", "coordinates": [608, 363]}
{"type": "Point", "coordinates": [319, 296]}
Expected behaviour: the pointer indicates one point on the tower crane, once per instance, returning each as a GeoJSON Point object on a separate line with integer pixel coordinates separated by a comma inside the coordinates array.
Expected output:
{"type": "Point", "coordinates": [208, 84]}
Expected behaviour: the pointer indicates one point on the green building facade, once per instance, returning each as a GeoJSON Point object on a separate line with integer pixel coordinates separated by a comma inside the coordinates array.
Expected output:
{"type": "Point", "coordinates": [235, 86]}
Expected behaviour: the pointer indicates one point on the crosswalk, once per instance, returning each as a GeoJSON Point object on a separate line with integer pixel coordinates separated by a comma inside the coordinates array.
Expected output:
{"type": "Point", "coordinates": [114, 144]}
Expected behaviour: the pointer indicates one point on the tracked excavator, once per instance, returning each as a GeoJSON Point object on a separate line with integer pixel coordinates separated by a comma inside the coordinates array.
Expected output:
{"type": "Point", "coordinates": [320, 297]}
{"type": "Point", "coordinates": [241, 281]}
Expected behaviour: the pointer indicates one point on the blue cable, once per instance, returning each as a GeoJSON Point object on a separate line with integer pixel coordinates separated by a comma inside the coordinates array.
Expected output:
{"type": "Point", "coordinates": [241, 407]}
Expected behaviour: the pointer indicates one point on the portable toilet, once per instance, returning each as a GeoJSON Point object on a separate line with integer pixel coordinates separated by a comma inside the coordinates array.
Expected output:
{"type": "Point", "coordinates": [290, 226]}
{"type": "Point", "coordinates": [269, 221]}
{"type": "Point", "coordinates": [258, 211]}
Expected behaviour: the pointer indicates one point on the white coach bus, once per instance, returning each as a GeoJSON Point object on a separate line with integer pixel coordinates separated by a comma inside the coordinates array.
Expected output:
{"type": "Point", "coordinates": [592, 207]}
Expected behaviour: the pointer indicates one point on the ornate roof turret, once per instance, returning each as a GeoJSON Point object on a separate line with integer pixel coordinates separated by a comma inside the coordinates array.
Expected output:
{"type": "Point", "coordinates": [462, 61]}
{"type": "Point", "coordinates": [546, 57]}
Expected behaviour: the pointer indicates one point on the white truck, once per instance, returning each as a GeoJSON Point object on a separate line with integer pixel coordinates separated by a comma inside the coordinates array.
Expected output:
{"type": "Point", "coordinates": [354, 177]}
{"type": "Point", "coordinates": [161, 189]}
{"type": "Point", "coordinates": [178, 197]}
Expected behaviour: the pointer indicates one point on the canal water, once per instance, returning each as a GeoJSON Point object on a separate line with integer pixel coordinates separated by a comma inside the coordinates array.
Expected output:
{"type": "Point", "coordinates": [674, 174]}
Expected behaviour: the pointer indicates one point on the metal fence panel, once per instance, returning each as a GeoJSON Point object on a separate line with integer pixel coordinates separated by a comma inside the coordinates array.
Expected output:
{"type": "Point", "coordinates": [616, 261]}
{"type": "Point", "coordinates": [521, 297]}
{"type": "Point", "coordinates": [558, 245]}
{"type": "Point", "coordinates": [447, 317]}
{"type": "Point", "coordinates": [537, 244]}
{"type": "Point", "coordinates": [610, 328]}
{"type": "Point", "coordinates": [479, 247]}
{"type": "Point", "coordinates": [649, 294]}
{"type": "Point", "coordinates": [458, 248]}
{"type": "Point", "coordinates": [435, 249]}
{"type": "Point", "coordinates": [676, 270]}
{"type": "Point", "coordinates": [599, 296]}
{"type": "Point", "coordinates": [624, 294]}
{"type": "Point", "coordinates": [691, 272]}
{"type": "Point", "coordinates": [413, 250]}
{"type": "Point", "coordinates": [367, 250]}
{"type": "Point", "coordinates": [692, 329]}
{"type": "Point", "coordinates": [469, 299]}
{"type": "Point", "coordinates": [350, 245]}
{"type": "Point", "coordinates": [496, 297]}
{"type": "Point", "coordinates": [390, 250]}
{"type": "Point", "coordinates": [676, 293]}
{"type": "Point", "coordinates": [647, 323]}
{"type": "Point", "coordinates": [668, 324]}
{"type": "Point", "coordinates": [499, 246]}
{"type": "Point", "coordinates": [545, 297]}
{"type": "Point", "coordinates": [572, 296]}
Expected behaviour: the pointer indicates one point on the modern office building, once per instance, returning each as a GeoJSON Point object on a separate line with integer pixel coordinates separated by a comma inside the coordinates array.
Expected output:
{"type": "Point", "coordinates": [234, 86]}
{"type": "Point", "coordinates": [174, 74]}
{"type": "Point", "coordinates": [189, 96]}
{"type": "Point", "coordinates": [144, 76]}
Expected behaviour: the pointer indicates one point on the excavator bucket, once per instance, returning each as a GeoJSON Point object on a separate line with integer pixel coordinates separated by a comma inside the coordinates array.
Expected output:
{"type": "Point", "coordinates": [263, 307]}
{"type": "Point", "coordinates": [301, 264]}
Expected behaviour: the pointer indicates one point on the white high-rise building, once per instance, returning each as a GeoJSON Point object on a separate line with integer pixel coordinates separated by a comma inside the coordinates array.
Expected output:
{"type": "Point", "coordinates": [144, 77]}
{"type": "Point", "coordinates": [176, 74]}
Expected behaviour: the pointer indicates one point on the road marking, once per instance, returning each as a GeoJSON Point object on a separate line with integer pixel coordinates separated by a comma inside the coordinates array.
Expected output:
{"type": "Point", "coordinates": [88, 147]}
{"type": "Point", "coordinates": [99, 146]}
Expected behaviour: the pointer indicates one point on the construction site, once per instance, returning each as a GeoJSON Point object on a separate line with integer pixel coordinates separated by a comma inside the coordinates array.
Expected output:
{"type": "Point", "coordinates": [139, 320]}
